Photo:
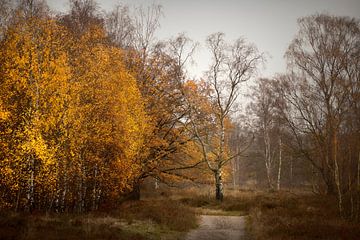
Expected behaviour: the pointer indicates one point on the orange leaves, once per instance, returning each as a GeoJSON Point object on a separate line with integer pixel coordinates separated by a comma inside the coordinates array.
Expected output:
{"type": "Point", "coordinates": [191, 86]}
{"type": "Point", "coordinates": [3, 113]}
{"type": "Point", "coordinates": [34, 75]}
{"type": "Point", "coordinates": [72, 118]}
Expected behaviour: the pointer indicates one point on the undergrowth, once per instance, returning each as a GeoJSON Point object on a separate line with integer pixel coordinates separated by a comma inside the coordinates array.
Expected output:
{"type": "Point", "coordinates": [132, 220]}
{"type": "Point", "coordinates": [281, 215]}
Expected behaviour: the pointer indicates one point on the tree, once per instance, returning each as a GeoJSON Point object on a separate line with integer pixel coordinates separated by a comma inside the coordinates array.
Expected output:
{"type": "Point", "coordinates": [72, 120]}
{"type": "Point", "coordinates": [162, 85]}
{"type": "Point", "coordinates": [83, 15]}
{"type": "Point", "coordinates": [160, 76]}
{"type": "Point", "coordinates": [109, 123]}
{"type": "Point", "coordinates": [34, 75]}
{"type": "Point", "coordinates": [324, 60]}
{"type": "Point", "coordinates": [5, 10]}
{"type": "Point", "coordinates": [264, 106]}
{"type": "Point", "coordinates": [232, 65]}
{"type": "Point", "coordinates": [120, 27]}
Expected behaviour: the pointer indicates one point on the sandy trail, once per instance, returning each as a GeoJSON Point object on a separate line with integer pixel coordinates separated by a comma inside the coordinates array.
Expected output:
{"type": "Point", "coordinates": [219, 228]}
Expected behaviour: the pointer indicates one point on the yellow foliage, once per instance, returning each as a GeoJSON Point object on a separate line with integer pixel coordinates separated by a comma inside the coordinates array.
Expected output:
{"type": "Point", "coordinates": [74, 116]}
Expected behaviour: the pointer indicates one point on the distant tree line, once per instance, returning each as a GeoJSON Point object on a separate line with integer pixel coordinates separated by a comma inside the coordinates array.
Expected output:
{"type": "Point", "coordinates": [310, 116]}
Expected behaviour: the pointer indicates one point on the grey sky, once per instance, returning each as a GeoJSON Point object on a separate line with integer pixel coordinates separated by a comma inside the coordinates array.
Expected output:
{"type": "Point", "coordinates": [270, 24]}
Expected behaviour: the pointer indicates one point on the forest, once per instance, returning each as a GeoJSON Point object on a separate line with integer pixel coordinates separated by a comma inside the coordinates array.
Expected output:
{"type": "Point", "coordinates": [97, 113]}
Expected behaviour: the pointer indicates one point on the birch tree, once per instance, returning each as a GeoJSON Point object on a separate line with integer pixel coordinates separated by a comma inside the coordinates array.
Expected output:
{"type": "Point", "coordinates": [232, 64]}
{"type": "Point", "coordinates": [324, 60]}
{"type": "Point", "coordinates": [263, 106]}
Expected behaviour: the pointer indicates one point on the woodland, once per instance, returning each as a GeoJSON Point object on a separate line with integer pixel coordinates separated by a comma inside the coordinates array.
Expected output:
{"type": "Point", "coordinates": [94, 108]}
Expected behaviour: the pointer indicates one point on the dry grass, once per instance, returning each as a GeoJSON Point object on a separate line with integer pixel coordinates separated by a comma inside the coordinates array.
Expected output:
{"type": "Point", "coordinates": [30, 227]}
{"type": "Point", "coordinates": [303, 216]}
{"type": "Point", "coordinates": [279, 215]}
{"type": "Point", "coordinates": [234, 203]}
{"type": "Point", "coordinates": [167, 213]}
{"type": "Point", "coordinates": [133, 220]}
{"type": "Point", "coordinates": [276, 215]}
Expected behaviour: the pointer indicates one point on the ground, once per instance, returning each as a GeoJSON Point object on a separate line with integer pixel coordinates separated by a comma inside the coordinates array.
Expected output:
{"type": "Point", "coordinates": [193, 214]}
{"type": "Point", "coordinates": [218, 228]}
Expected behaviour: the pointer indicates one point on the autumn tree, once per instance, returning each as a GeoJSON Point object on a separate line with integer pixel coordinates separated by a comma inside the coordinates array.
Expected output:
{"type": "Point", "coordinates": [111, 121]}
{"type": "Point", "coordinates": [178, 51]}
{"type": "Point", "coordinates": [34, 75]}
{"type": "Point", "coordinates": [160, 74]}
{"type": "Point", "coordinates": [232, 65]}
{"type": "Point", "coordinates": [109, 111]}
{"type": "Point", "coordinates": [324, 60]}
{"type": "Point", "coordinates": [72, 118]}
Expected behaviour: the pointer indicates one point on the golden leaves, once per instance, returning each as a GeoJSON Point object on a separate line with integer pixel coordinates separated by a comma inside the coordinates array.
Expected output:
{"type": "Point", "coordinates": [74, 115]}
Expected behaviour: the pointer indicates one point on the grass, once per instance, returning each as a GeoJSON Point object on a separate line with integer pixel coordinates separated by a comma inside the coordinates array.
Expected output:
{"type": "Point", "coordinates": [303, 216]}
{"type": "Point", "coordinates": [167, 213]}
{"type": "Point", "coordinates": [271, 215]}
{"type": "Point", "coordinates": [235, 203]}
{"type": "Point", "coordinates": [133, 220]}
{"type": "Point", "coordinates": [280, 215]}
{"type": "Point", "coordinates": [15, 226]}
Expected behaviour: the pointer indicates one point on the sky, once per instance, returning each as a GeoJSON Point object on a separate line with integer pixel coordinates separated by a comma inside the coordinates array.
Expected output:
{"type": "Point", "coordinates": [269, 24]}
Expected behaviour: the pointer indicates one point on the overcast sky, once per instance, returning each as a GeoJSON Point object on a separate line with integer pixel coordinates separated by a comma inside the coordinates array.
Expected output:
{"type": "Point", "coordinates": [269, 24]}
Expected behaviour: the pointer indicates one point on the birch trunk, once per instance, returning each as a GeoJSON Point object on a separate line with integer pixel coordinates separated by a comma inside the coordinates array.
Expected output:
{"type": "Point", "coordinates": [337, 175]}
{"type": "Point", "coordinates": [279, 169]}
{"type": "Point", "coordinates": [94, 197]}
{"type": "Point", "coordinates": [234, 170]}
{"type": "Point", "coordinates": [358, 189]}
{"type": "Point", "coordinates": [219, 185]}
{"type": "Point", "coordinates": [30, 192]}
{"type": "Point", "coordinates": [291, 171]}
{"type": "Point", "coordinates": [268, 160]}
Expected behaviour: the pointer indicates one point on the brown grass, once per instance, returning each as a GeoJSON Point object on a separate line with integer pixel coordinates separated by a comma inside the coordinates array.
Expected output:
{"type": "Point", "coordinates": [133, 220]}
{"type": "Point", "coordinates": [303, 216]}
{"type": "Point", "coordinates": [275, 215]}
{"type": "Point", "coordinates": [234, 203]}
{"type": "Point", "coordinates": [15, 226]}
{"type": "Point", "coordinates": [280, 215]}
{"type": "Point", "coordinates": [167, 213]}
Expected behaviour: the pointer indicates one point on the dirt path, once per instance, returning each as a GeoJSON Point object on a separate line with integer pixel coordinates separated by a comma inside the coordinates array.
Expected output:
{"type": "Point", "coordinates": [219, 228]}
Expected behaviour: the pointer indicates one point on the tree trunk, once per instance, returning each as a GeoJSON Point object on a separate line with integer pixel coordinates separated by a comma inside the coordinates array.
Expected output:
{"type": "Point", "coordinates": [63, 194]}
{"type": "Point", "coordinates": [268, 173]}
{"type": "Point", "coordinates": [17, 200]}
{"type": "Point", "coordinates": [156, 184]}
{"type": "Point", "coordinates": [234, 171]}
{"type": "Point", "coordinates": [279, 170]}
{"type": "Point", "coordinates": [219, 185]}
{"type": "Point", "coordinates": [337, 176]}
{"type": "Point", "coordinates": [291, 171]}
{"type": "Point", "coordinates": [314, 180]}
{"type": "Point", "coordinates": [351, 198]}
{"type": "Point", "coordinates": [135, 194]}
{"type": "Point", "coordinates": [329, 180]}
{"type": "Point", "coordinates": [94, 194]}
{"type": "Point", "coordinates": [358, 189]}
{"type": "Point", "coordinates": [82, 190]}
{"type": "Point", "coordinates": [30, 193]}
{"type": "Point", "coordinates": [268, 158]}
